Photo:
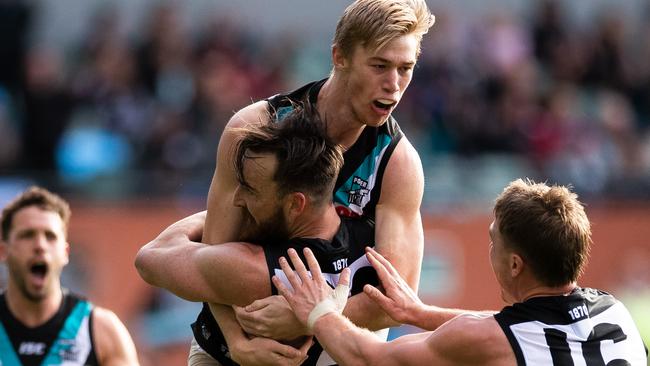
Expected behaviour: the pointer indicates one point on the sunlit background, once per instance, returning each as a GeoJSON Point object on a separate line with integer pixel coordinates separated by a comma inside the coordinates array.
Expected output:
{"type": "Point", "coordinates": [119, 105]}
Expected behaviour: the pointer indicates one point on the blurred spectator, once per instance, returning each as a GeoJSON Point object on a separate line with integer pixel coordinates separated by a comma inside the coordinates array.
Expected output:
{"type": "Point", "coordinates": [48, 104]}
{"type": "Point", "coordinates": [572, 98]}
{"type": "Point", "coordinates": [9, 140]}
{"type": "Point", "coordinates": [15, 22]}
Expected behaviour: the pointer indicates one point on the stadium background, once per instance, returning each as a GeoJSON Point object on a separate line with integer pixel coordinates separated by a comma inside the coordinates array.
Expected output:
{"type": "Point", "coordinates": [118, 106]}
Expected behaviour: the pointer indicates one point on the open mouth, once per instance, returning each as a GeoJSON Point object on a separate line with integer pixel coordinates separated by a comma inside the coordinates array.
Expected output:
{"type": "Point", "coordinates": [384, 104]}
{"type": "Point", "coordinates": [39, 270]}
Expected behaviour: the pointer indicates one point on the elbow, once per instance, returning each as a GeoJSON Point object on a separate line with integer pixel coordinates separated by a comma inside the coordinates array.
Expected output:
{"type": "Point", "coordinates": [143, 265]}
{"type": "Point", "coordinates": [376, 353]}
{"type": "Point", "coordinates": [366, 356]}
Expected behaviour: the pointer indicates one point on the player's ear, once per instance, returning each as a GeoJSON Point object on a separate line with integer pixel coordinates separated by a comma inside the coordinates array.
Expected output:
{"type": "Point", "coordinates": [3, 250]}
{"type": "Point", "coordinates": [67, 252]}
{"type": "Point", "coordinates": [516, 265]}
{"type": "Point", "coordinates": [294, 205]}
{"type": "Point", "coordinates": [338, 57]}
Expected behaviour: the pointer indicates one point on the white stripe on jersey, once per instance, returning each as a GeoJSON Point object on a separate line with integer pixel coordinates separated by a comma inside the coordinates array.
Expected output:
{"type": "Point", "coordinates": [532, 340]}
{"type": "Point", "coordinates": [331, 278]}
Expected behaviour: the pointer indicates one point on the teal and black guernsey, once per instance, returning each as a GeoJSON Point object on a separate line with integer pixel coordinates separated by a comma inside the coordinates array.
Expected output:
{"type": "Point", "coordinates": [65, 339]}
{"type": "Point", "coordinates": [358, 186]}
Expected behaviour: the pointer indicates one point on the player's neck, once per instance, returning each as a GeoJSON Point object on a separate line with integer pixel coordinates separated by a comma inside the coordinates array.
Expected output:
{"type": "Point", "coordinates": [333, 106]}
{"type": "Point", "coordinates": [321, 224]}
{"type": "Point", "coordinates": [541, 291]}
{"type": "Point", "coordinates": [33, 313]}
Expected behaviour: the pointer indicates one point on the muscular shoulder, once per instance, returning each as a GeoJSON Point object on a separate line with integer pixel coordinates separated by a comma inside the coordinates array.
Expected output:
{"type": "Point", "coordinates": [252, 114]}
{"type": "Point", "coordinates": [113, 343]}
{"type": "Point", "coordinates": [473, 339]}
{"type": "Point", "coordinates": [404, 179]}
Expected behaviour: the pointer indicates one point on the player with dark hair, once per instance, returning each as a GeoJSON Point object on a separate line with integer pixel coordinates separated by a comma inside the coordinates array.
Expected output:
{"type": "Point", "coordinates": [376, 46]}
{"type": "Point", "coordinates": [540, 240]}
{"type": "Point", "coordinates": [286, 173]}
{"type": "Point", "coordinates": [42, 323]}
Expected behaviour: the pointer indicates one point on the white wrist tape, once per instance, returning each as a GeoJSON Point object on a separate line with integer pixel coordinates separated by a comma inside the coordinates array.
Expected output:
{"type": "Point", "coordinates": [334, 303]}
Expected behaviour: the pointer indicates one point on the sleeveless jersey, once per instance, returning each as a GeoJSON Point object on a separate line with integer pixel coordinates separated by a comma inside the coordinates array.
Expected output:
{"type": "Point", "coordinates": [588, 327]}
{"type": "Point", "coordinates": [65, 339]}
{"type": "Point", "coordinates": [332, 256]}
{"type": "Point", "coordinates": [358, 186]}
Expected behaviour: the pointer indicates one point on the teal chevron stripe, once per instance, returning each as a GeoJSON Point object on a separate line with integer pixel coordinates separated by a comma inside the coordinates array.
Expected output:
{"type": "Point", "coordinates": [8, 356]}
{"type": "Point", "coordinates": [68, 333]}
{"type": "Point", "coordinates": [367, 169]}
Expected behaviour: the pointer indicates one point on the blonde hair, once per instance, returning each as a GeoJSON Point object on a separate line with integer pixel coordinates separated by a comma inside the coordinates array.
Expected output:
{"type": "Point", "coordinates": [374, 23]}
{"type": "Point", "coordinates": [547, 226]}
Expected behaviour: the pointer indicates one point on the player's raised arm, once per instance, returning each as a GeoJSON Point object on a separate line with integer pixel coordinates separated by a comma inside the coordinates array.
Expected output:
{"type": "Point", "coordinates": [398, 234]}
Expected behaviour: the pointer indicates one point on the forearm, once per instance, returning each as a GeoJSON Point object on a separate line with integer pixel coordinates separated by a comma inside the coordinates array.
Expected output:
{"type": "Point", "coordinates": [430, 317]}
{"type": "Point", "coordinates": [347, 344]}
{"type": "Point", "coordinates": [232, 332]}
{"type": "Point", "coordinates": [159, 266]}
{"type": "Point", "coordinates": [159, 258]}
{"type": "Point", "coordinates": [365, 313]}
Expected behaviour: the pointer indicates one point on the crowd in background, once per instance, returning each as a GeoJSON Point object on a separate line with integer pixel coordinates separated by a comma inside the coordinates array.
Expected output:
{"type": "Point", "coordinates": [125, 115]}
{"type": "Point", "coordinates": [570, 100]}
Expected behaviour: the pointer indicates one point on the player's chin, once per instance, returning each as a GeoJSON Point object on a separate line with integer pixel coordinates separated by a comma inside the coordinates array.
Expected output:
{"type": "Point", "coordinates": [376, 122]}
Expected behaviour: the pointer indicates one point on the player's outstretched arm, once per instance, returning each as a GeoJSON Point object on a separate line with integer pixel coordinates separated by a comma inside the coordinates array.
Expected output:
{"type": "Point", "coordinates": [113, 344]}
{"type": "Point", "coordinates": [399, 301]}
{"type": "Point", "coordinates": [465, 340]}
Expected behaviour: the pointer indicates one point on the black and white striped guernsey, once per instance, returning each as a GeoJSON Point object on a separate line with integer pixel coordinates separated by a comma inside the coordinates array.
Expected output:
{"type": "Point", "coordinates": [588, 327]}
{"type": "Point", "coordinates": [332, 256]}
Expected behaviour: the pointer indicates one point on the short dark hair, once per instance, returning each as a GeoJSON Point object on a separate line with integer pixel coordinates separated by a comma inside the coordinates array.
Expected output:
{"type": "Point", "coordinates": [547, 226]}
{"type": "Point", "coordinates": [35, 196]}
{"type": "Point", "coordinates": [308, 160]}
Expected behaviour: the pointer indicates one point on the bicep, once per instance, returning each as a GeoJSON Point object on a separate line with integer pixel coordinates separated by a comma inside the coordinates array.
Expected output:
{"type": "Point", "coordinates": [411, 349]}
{"type": "Point", "coordinates": [224, 220]}
{"type": "Point", "coordinates": [399, 234]}
{"type": "Point", "coordinates": [175, 268]}
{"type": "Point", "coordinates": [114, 346]}
{"type": "Point", "coordinates": [235, 273]}
{"type": "Point", "coordinates": [464, 340]}
{"type": "Point", "coordinates": [213, 273]}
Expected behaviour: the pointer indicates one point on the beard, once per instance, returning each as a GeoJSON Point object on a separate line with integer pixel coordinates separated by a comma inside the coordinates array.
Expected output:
{"type": "Point", "coordinates": [19, 279]}
{"type": "Point", "coordinates": [272, 230]}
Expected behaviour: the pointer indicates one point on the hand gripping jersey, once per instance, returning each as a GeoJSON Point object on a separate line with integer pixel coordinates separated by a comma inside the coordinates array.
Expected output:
{"type": "Point", "coordinates": [65, 339]}
{"type": "Point", "coordinates": [332, 257]}
{"type": "Point", "coordinates": [358, 186]}
{"type": "Point", "coordinates": [588, 327]}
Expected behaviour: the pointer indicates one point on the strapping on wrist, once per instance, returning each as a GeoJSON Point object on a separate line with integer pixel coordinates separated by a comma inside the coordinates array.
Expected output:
{"type": "Point", "coordinates": [335, 302]}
